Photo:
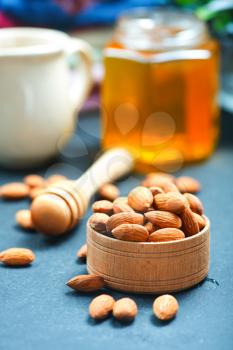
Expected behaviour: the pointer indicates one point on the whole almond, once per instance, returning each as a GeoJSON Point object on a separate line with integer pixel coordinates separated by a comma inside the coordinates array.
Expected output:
{"type": "Point", "coordinates": [24, 219]}
{"type": "Point", "coordinates": [121, 200]}
{"type": "Point", "coordinates": [150, 227]}
{"type": "Point", "coordinates": [109, 192]}
{"type": "Point", "coordinates": [201, 221]}
{"type": "Point", "coordinates": [131, 232]}
{"type": "Point", "coordinates": [188, 184]}
{"type": "Point", "coordinates": [124, 218]}
{"type": "Point", "coordinates": [121, 207]}
{"type": "Point", "coordinates": [102, 206]}
{"type": "Point", "coordinates": [101, 306]}
{"type": "Point", "coordinates": [34, 180]}
{"type": "Point", "coordinates": [140, 198]}
{"type": "Point", "coordinates": [14, 190]}
{"type": "Point", "coordinates": [165, 307]}
{"type": "Point", "coordinates": [161, 175]}
{"type": "Point", "coordinates": [170, 201]}
{"type": "Point", "coordinates": [166, 235]}
{"type": "Point", "coordinates": [82, 252]}
{"type": "Point", "coordinates": [168, 186]}
{"type": "Point", "coordinates": [17, 256]}
{"type": "Point", "coordinates": [194, 203]}
{"type": "Point", "coordinates": [163, 219]}
{"type": "Point", "coordinates": [98, 221]}
{"type": "Point", "coordinates": [156, 190]}
{"type": "Point", "coordinates": [189, 222]}
{"type": "Point", "coordinates": [125, 309]}
{"type": "Point", "coordinates": [86, 283]}
{"type": "Point", "coordinates": [55, 178]}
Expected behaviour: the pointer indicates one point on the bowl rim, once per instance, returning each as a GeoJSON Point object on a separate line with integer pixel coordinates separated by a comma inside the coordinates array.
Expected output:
{"type": "Point", "coordinates": [177, 242]}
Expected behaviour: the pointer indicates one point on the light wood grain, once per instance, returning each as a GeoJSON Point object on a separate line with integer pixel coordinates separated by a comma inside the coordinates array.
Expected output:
{"type": "Point", "coordinates": [149, 267]}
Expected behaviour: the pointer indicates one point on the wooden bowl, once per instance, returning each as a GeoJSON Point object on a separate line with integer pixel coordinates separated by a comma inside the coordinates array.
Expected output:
{"type": "Point", "coordinates": [149, 267]}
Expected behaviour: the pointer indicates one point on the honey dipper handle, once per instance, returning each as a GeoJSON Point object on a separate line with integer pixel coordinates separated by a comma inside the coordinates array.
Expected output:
{"type": "Point", "coordinates": [109, 167]}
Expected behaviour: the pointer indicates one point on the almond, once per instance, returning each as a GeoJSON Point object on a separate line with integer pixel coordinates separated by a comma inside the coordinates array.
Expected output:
{"type": "Point", "coordinates": [161, 175]}
{"type": "Point", "coordinates": [170, 201]}
{"type": "Point", "coordinates": [165, 307]}
{"type": "Point", "coordinates": [109, 192]}
{"type": "Point", "coordinates": [194, 203]}
{"type": "Point", "coordinates": [201, 221]}
{"type": "Point", "coordinates": [121, 207]}
{"type": "Point", "coordinates": [17, 256]}
{"type": "Point", "coordinates": [163, 219]}
{"type": "Point", "coordinates": [150, 227]}
{"type": "Point", "coordinates": [140, 198]}
{"type": "Point", "coordinates": [156, 190]}
{"type": "Point", "coordinates": [188, 184]}
{"type": "Point", "coordinates": [34, 192]}
{"type": "Point", "coordinates": [101, 306]}
{"type": "Point", "coordinates": [14, 190]}
{"type": "Point", "coordinates": [24, 219]}
{"type": "Point", "coordinates": [124, 218]}
{"type": "Point", "coordinates": [34, 180]}
{"type": "Point", "coordinates": [131, 232]}
{"type": "Point", "coordinates": [55, 178]}
{"type": "Point", "coordinates": [98, 222]}
{"type": "Point", "coordinates": [102, 206]}
{"type": "Point", "coordinates": [125, 309]}
{"type": "Point", "coordinates": [189, 222]}
{"type": "Point", "coordinates": [82, 252]}
{"type": "Point", "coordinates": [86, 283]}
{"type": "Point", "coordinates": [166, 235]}
{"type": "Point", "coordinates": [170, 187]}
{"type": "Point", "coordinates": [121, 200]}
{"type": "Point", "coordinates": [166, 184]}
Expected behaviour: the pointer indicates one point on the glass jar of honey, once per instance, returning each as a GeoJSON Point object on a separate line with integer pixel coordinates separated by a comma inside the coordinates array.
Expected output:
{"type": "Point", "coordinates": [159, 95]}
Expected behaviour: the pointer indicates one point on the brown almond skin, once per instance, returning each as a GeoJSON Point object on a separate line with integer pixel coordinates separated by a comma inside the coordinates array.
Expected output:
{"type": "Point", "coordinates": [98, 222]}
{"type": "Point", "coordinates": [150, 227]}
{"type": "Point", "coordinates": [201, 221]}
{"type": "Point", "coordinates": [131, 232]}
{"type": "Point", "coordinates": [14, 190]}
{"type": "Point", "coordinates": [109, 192]}
{"type": "Point", "coordinates": [171, 201]}
{"type": "Point", "coordinates": [17, 256]}
{"type": "Point", "coordinates": [163, 219]}
{"type": "Point", "coordinates": [194, 203]}
{"type": "Point", "coordinates": [140, 198]}
{"type": "Point", "coordinates": [166, 235]}
{"type": "Point", "coordinates": [24, 219]}
{"type": "Point", "coordinates": [101, 306]}
{"type": "Point", "coordinates": [103, 206]}
{"type": "Point", "coordinates": [121, 200]}
{"type": "Point", "coordinates": [124, 218]}
{"type": "Point", "coordinates": [86, 283]}
{"type": "Point", "coordinates": [82, 252]}
{"type": "Point", "coordinates": [125, 309]}
{"type": "Point", "coordinates": [188, 184]}
{"type": "Point", "coordinates": [189, 222]}
{"type": "Point", "coordinates": [34, 180]}
{"type": "Point", "coordinates": [121, 207]}
{"type": "Point", "coordinates": [165, 307]}
{"type": "Point", "coordinates": [156, 190]}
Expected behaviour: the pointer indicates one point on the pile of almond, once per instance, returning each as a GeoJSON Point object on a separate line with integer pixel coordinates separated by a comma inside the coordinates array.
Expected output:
{"type": "Point", "coordinates": [163, 208]}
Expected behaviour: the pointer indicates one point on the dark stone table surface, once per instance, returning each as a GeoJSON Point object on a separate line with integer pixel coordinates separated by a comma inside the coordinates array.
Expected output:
{"type": "Point", "coordinates": [37, 309]}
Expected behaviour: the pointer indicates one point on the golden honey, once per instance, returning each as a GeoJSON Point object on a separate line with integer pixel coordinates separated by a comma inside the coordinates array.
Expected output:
{"type": "Point", "coordinates": [159, 96]}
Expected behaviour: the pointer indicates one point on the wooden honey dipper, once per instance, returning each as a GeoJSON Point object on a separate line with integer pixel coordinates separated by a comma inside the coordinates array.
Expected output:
{"type": "Point", "coordinates": [58, 209]}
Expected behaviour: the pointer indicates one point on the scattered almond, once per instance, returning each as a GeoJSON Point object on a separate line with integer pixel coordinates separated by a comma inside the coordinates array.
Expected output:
{"type": "Point", "coordinates": [131, 232]}
{"type": "Point", "coordinates": [34, 180]}
{"type": "Point", "coordinates": [166, 235]}
{"type": "Point", "coordinates": [124, 218]}
{"type": "Point", "coordinates": [34, 192]}
{"type": "Point", "coordinates": [102, 206]}
{"type": "Point", "coordinates": [54, 179]}
{"type": "Point", "coordinates": [98, 221]}
{"type": "Point", "coordinates": [125, 309]}
{"type": "Point", "coordinates": [165, 307]}
{"type": "Point", "coordinates": [86, 283]}
{"type": "Point", "coordinates": [163, 219]}
{"type": "Point", "coordinates": [24, 219]}
{"type": "Point", "coordinates": [14, 190]}
{"type": "Point", "coordinates": [101, 306]}
{"type": "Point", "coordinates": [82, 252]}
{"type": "Point", "coordinates": [170, 201]}
{"type": "Point", "coordinates": [109, 191]}
{"type": "Point", "coordinates": [189, 222]}
{"type": "Point", "coordinates": [17, 256]}
{"type": "Point", "coordinates": [140, 198]}
{"type": "Point", "coordinates": [188, 184]}
{"type": "Point", "coordinates": [194, 203]}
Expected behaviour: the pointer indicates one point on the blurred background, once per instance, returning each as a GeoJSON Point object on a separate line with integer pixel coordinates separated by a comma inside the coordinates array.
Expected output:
{"type": "Point", "coordinates": [93, 20]}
